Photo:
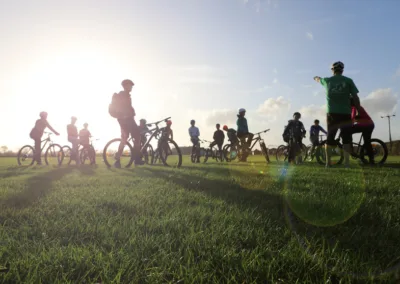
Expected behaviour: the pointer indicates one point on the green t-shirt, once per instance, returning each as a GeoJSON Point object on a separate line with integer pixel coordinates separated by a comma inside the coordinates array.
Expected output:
{"type": "Point", "coordinates": [339, 90]}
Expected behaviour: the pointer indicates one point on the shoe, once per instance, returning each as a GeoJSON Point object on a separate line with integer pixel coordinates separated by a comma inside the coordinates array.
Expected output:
{"type": "Point", "coordinates": [117, 164]}
{"type": "Point", "coordinates": [139, 162]}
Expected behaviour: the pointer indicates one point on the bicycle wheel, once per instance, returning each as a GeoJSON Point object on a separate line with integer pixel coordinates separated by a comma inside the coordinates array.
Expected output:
{"type": "Point", "coordinates": [337, 155]}
{"type": "Point", "coordinates": [87, 154]}
{"type": "Point", "coordinates": [224, 152]}
{"type": "Point", "coordinates": [54, 155]}
{"type": "Point", "coordinates": [264, 151]}
{"type": "Point", "coordinates": [379, 150]}
{"type": "Point", "coordinates": [170, 153]}
{"type": "Point", "coordinates": [111, 149]}
{"type": "Point", "coordinates": [281, 153]}
{"type": "Point", "coordinates": [309, 156]}
{"type": "Point", "coordinates": [67, 154]}
{"type": "Point", "coordinates": [26, 156]}
{"type": "Point", "coordinates": [207, 154]}
{"type": "Point", "coordinates": [304, 152]}
{"type": "Point", "coordinates": [148, 154]}
{"type": "Point", "coordinates": [230, 152]}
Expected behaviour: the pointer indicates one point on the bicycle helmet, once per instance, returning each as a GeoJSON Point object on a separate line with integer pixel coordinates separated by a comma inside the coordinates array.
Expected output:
{"type": "Point", "coordinates": [127, 82]}
{"type": "Point", "coordinates": [337, 66]}
{"type": "Point", "coordinates": [169, 122]}
{"type": "Point", "coordinates": [43, 114]}
{"type": "Point", "coordinates": [297, 113]}
{"type": "Point", "coordinates": [242, 110]}
{"type": "Point", "coordinates": [225, 128]}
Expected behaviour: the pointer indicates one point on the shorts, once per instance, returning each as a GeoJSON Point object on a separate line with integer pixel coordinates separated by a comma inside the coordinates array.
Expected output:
{"type": "Point", "coordinates": [314, 140]}
{"type": "Point", "coordinates": [128, 127]}
{"type": "Point", "coordinates": [195, 141]}
{"type": "Point", "coordinates": [336, 121]}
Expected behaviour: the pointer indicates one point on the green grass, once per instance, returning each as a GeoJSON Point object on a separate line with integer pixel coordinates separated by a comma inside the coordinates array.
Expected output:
{"type": "Point", "coordinates": [238, 223]}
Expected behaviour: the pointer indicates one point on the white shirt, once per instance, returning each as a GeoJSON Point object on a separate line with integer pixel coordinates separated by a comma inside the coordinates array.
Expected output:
{"type": "Point", "coordinates": [194, 132]}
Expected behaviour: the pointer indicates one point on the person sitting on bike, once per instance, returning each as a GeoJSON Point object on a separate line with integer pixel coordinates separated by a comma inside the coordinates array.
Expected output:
{"type": "Point", "coordinates": [218, 137]}
{"type": "Point", "coordinates": [73, 137]}
{"type": "Point", "coordinates": [231, 133]}
{"type": "Point", "coordinates": [243, 131]}
{"type": "Point", "coordinates": [296, 128]}
{"type": "Point", "coordinates": [339, 91]}
{"type": "Point", "coordinates": [169, 131]}
{"type": "Point", "coordinates": [37, 133]}
{"type": "Point", "coordinates": [362, 123]}
{"type": "Point", "coordinates": [194, 134]}
{"type": "Point", "coordinates": [314, 134]}
{"type": "Point", "coordinates": [121, 108]}
{"type": "Point", "coordinates": [84, 135]}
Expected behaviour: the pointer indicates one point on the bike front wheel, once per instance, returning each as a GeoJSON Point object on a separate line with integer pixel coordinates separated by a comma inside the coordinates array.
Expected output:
{"type": "Point", "coordinates": [54, 155]}
{"type": "Point", "coordinates": [336, 152]}
{"type": "Point", "coordinates": [88, 154]}
{"type": "Point", "coordinates": [281, 153]}
{"type": "Point", "coordinates": [230, 152]}
{"type": "Point", "coordinates": [148, 154]}
{"type": "Point", "coordinates": [67, 154]}
{"type": "Point", "coordinates": [170, 153]}
{"type": "Point", "coordinates": [379, 150]}
{"type": "Point", "coordinates": [26, 156]}
{"type": "Point", "coordinates": [110, 153]}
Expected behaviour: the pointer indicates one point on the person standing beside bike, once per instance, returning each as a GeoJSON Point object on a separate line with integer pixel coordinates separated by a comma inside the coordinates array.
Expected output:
{"type": "Point", "coordinates": [314, 135]}
{"type": "Point", "coordinates": [339, 91]}
{"type": "Point", "coordinates": [362, 123]}
{"type": "Point", "coordinates": [194, 134]}
{"type": "Point", "coordinates": [37, 133]}
{"type": "Point", "coordinates": [296, 127]}
{"type": "Point", "coordinates": [73, 137]}
{"type": "Point", "coordinates": [121, 109]}
{"type": "Point", "coordinates": [243, 131]}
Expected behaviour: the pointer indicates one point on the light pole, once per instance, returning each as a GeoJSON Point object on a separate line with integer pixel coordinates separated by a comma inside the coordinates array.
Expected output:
{"type": "Point", "coordinates": [390, 132]}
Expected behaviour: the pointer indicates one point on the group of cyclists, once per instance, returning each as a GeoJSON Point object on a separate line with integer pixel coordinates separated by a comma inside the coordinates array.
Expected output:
{"type": "Point", "coordinates": [344, 113]}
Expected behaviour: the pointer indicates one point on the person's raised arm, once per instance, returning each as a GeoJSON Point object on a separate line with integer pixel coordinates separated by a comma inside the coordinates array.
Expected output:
{"type": "Point", "coordinates": [322, 130]}
{"type": "Point", "coordinates": [317, 79]}
{"type": "Point", "coordinates": [172, 134]}
{"type": "Point", "coordinates": [51, 128]}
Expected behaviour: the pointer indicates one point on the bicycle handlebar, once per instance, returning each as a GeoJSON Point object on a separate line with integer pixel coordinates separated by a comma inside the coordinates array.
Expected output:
{"type": "Point", "coordinates": [264, 131]}
{"type": "Point", "coordinates": [158, 122]}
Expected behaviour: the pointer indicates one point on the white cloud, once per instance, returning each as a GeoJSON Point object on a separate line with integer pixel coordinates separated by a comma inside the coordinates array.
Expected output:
{"type": "Point", "coordinates": [275, 71]}
{"type": "Point", "coordinates": [272, 107]}
{"type": "Point", "coordinates": [313, 111]}
{"type": "Point", "coordinates": [310, 36]}
{"type": "Point", "coordinates": [380, 102]}
{"type": "Point", "coordinates": [222, 116]}
{"type": "Point", "coordinates": [275, 81]}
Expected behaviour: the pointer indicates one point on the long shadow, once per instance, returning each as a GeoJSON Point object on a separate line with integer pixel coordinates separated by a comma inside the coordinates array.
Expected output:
{"type": "Point", "coordinates": [38, 187]}
{"type": "Point", "coordinates": [87, 169]}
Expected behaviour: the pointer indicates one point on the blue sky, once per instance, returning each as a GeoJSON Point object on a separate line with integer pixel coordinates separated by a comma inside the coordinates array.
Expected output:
{"type": "Point", "coordinates": [192, 59]}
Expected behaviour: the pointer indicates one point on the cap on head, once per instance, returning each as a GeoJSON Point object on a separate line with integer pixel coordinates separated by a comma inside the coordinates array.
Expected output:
{"type": "Point", "coordinates": [337, 66]}
{"type": "Point", "coordinates": [225, 127]}
{"type": "Point", "coordinates": [127, 83]}
{"type": "Point", "coordinates": [43, 114]}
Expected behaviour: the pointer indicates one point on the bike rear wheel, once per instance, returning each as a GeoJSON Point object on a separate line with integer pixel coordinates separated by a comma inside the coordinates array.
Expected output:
{"type": "Point", "coordinates": [281, 153]}
{"type": "Point", "coordinates": [111, 149]}
{"type": "Point", "coordinates": [337, 155]}
{"type": "Point", "coordinates": [170, 153]}
{"type": "Point", "coordinates": [207, 154]}
{"type": "Point", "coordinates": [88, 154]}
{"type": "Point", "coordinates": [230, 152]}
{"type": "Point", "coordinates": [379, 150]}
{"type": "Point", "coordinates": [26, 156]}
{"type": "Point", "coordinates": [148, 154]}
{"type": "Point", "coordinates": [67, 154]}
{"type": "Point", "coordinates": [54, 155]}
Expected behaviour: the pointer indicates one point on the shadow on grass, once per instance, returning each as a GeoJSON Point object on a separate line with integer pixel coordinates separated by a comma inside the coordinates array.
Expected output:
{"type": "Point", "coordinates": [37, 187]}
{"type": "Point", "coordinates": [87, 169]}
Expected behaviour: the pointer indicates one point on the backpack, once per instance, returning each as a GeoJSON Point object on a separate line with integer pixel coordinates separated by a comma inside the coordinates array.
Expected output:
{"type": "Point", "coordinates": [113, 107]}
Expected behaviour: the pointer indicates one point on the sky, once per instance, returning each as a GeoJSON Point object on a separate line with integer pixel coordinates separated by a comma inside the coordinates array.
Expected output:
{"type": "Point", "coordinates": [192, 59]}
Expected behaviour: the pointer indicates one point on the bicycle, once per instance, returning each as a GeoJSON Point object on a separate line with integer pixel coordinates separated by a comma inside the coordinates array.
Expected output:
{"type": "Point", "coordinates": [286, 152]}
{"type": "Point", "coordinates": [359, 151]}
{"type": "Point", "coordinates": [54, 153]}
{"type": "Point", "coordinates": [86, 152]}
{"type": "Point", "coordinates": [311, 154]}
{"type": "Point", "coordinates": [197, 149]}
{"type": "Point", "coordinates": [237, 149]}
{"type": "Point", "coordinates": [164, 148]}
{"type": "Point", "coordinates": [212, 152]}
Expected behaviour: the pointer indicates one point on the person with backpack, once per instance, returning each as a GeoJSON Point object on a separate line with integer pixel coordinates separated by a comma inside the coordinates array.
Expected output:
{"type": "Point", "coordinates": [121, 109]}
{"type": "Point", "coordinates": [218, 137]}
{"type": "Point", "coordinates": [37, 133]}
{"type": "Point", "coordinates": [296, 128]}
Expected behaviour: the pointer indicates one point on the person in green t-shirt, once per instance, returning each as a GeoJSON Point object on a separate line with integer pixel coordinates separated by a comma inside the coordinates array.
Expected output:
{"type": "Point", "coordinates": [339, 91]}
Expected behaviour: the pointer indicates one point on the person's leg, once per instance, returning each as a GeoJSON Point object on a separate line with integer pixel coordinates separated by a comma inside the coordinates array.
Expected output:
{"type": "Point", "coordinates": [347, 138]}
{"type": "Point", "coordinates": [135, 132]}
{"type": "Point", "coordinates": [250, 137]}
{"type": "Point", "coordinates": [197, 150]}
{"type": "Point", "coordinates": [38, 150]}
{"type": "Point", "coordinates": [367, 134]}
{"type": "Point", "coordinates": [330, 141]}
{"type": "Point", "coordinates": [75, 149]}
{"type": "Point", "coordinates": [299, 150]}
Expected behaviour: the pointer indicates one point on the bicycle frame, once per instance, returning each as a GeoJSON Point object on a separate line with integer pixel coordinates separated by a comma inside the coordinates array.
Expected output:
{"type": "Point", "coordinates": [258, 138]}
{"type": "Point", "coordinates": [155, 131]}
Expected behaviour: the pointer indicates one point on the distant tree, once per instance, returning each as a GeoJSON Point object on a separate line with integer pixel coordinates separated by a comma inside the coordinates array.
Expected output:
{"type": "Point", "coordinates": [257, 152]}
{"type": "Point", "coordinates": [4, 149]}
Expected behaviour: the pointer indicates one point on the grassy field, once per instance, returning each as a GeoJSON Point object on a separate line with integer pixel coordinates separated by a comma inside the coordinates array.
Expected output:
{"type": "Point", "coordinates": [238, 223]}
